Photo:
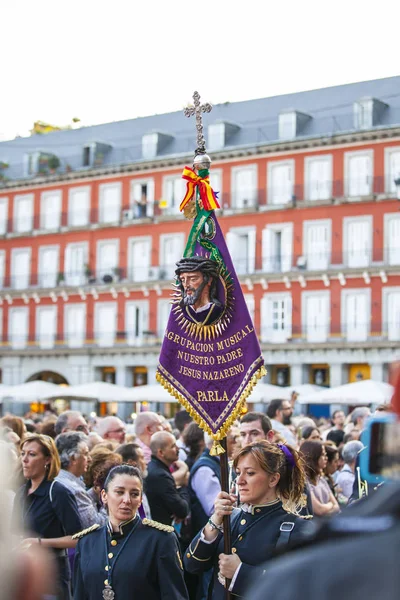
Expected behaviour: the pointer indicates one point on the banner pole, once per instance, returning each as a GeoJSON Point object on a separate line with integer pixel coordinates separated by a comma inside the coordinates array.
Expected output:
{"type": "Point", "coordinates": [226, 519]}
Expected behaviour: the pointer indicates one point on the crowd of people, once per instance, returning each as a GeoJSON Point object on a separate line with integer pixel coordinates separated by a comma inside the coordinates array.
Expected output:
{"type": "Point", "coordinates": [136, 509]}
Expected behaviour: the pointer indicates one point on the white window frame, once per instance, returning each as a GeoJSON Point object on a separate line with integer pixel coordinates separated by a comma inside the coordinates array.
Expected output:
{"type": "Point", "coordinates": [51, 342]}
{"type": "Point", "coordinates": [42, 249]}
{"type": "Point", "coordinates": [149, 204]}
{"type": "Point", "coordinates": [131, 241]}
{"type": "Point", "coordinates": [99, 245]}
{"type": "Point", "coordinates": [1, 324]}
{"type": "Point", "coordinates": [219, 173]}
{"type": "Point", "coordinates": [347, 158]}
{"type": "Point", "coordinates": [169, 269]}
{"type": "Point", "coordinates": [266, 320]}
{"type": "Point", "coordinates": [251, 305]}
{"type": "Point", "coordinates": [18, 344]}
{"type": "Point", "coordinates": [43, 198]}
{"type": "Point", "coordinates": [307, 225]}
{"type": "Point", "coordinates": [174, 209]}
{"type": "Point", "coordinates": [386, 220]}
{"type": "Point", "coordinates": [71, 245]}
{"type": "Point", "coordinates": [287, 122]}
{"type": "Point", "coordinates": [102, 188]}
{"type": "Point", "coordinates": [308, 160]}
{"type": "Point", "coordinates": [70, 343]}
{"type": "Point", "coordinates": [71, 191]}
{"type": "Point", "coordinates": [343, 315]}
{"type": "Point", "coordinates": [270, 190]}
{"type": "Point", "coordinates": [234, 171]}
{"type": "Point", "coordinates": [363, 112]}
{"type": "Point", "coordinates": [3, 274]}
{"type": "Point", "coordinates": [17, 198]}
{"type": "Point", "coordinates": [267, 265]}
{"type": "Point", "coordinates": [150, 145]}
{"type": "Point", "coordinates": [386, 291]}
{"type": "Point", "coordinates": [4, 231]}
{"type": "Point", "coordinates": [315, 294]}
{"type": "Point", "coordinates": [346, 222]}
{"type": "Point", "coordinates": [103, 342]}
{"type": "Point", "coordinates": [251, 233]}
{"type": "Point", "coordinates": [144, 305]}
{"type": "Point", "coordinates": [160, 325]}
{"type": "Point", "coordinates": [14, 252]}
{"type": "Point", "coordinates": [216, 136]}
{"type": "Point", "coordinates": [390, 187]}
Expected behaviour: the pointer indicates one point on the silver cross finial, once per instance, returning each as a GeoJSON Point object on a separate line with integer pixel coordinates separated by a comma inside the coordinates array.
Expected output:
{"type": "Point", "coordinates": [197, 110]}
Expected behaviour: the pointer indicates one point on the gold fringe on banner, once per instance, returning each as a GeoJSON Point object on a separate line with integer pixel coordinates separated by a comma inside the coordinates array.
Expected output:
{"type": "Point", "coordinates": [235, 414]}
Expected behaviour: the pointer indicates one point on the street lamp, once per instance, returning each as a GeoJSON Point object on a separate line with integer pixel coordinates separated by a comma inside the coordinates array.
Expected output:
{"type": "Point", "coordinates": [397, 184]}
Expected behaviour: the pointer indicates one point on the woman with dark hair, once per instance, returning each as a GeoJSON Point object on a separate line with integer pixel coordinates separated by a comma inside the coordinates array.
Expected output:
{"type": "Point", "coordinates": [332, 454]}
{"type": "Point", "coordinates": [193, 439]}
{"type": "Point", "coordinates": [311, 434]}
{"type": "Point", "coordinates": [315, 460]}
{"type": "Point", "coordinates": [47, 508]}
{"type": "Point", "coordinates": [270, 480]}
{"type": "Point", "coordinates": [127, 558]}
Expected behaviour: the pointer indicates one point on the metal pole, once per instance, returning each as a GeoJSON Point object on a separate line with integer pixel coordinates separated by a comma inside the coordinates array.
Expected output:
{"type": "Point", "coordinates": [226, 518]}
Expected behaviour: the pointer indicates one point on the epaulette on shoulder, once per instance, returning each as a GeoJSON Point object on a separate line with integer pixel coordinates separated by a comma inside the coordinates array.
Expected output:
{"type": "Point", "coordinates": [80, 534]}
{"type": "Point", "coordinates": [158, 525]}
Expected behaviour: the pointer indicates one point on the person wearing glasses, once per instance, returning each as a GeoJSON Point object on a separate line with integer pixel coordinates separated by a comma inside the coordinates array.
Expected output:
{"type": "Point", "coordinates": [46, 509]}
{"type": "Point", "coordinates": [71, 420]}
{"type": "Point", "coordinates": [112, 428]}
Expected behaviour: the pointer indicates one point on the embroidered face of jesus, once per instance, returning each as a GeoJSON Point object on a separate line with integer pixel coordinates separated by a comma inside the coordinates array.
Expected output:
{"type": "Point", "coordinates": [195, 289]}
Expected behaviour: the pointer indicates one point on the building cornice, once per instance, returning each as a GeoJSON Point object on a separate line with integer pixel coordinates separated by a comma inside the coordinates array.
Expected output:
{"type": "Point", "coordinates": [227, 154]}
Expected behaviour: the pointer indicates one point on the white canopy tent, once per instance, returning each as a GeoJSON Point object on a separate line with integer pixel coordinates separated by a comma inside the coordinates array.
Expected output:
{"type": "Point", "coordinates": [97, 390]}
{"type": "Point", "coordinates": [360, 393]}
{"type": "Point", "coordinates": [304, 389]}
{"type": "Point", "coordinates": [32, 390]}
{"type": "Point", "coordinates": [150, 393]}
{"type": "Point", "coordinates": [265, 392]}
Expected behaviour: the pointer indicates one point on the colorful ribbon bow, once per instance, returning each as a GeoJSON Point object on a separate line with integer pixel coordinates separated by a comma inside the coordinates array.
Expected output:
{"type": "Point", "coordinates": [207, 194]}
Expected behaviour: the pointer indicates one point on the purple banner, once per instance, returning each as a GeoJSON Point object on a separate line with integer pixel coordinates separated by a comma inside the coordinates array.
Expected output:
{"type": "Point", "coordinates": [210, 358]}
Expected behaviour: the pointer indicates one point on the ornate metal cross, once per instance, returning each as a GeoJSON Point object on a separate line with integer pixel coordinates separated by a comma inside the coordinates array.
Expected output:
{"type": "Point", "coordinates": [197, 109]}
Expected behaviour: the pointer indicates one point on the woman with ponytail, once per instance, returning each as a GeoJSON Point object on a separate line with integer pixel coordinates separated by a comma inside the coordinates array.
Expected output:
{"type": "Point", "coordinates": [270, 482]}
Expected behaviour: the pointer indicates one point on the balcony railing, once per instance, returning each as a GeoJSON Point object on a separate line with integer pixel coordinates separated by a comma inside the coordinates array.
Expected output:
{"type": "Point", "coordinates": [323, 334]}
{"type": "Point", "coordinates": [287, 195]}
{"type": "Point", "coordinates": [268, 266]}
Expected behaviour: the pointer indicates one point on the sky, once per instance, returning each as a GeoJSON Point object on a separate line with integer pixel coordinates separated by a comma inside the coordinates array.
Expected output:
{"type": "Point", "coordinates": [112, 60]}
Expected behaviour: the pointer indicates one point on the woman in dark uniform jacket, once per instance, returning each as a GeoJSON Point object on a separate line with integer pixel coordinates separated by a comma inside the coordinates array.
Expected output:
{"type": "Point", "coordinates": [47, 508]}
{"type": "Point", "coordinates": [128, 558]}
{"type": "Point", "coordinates": [267, 474]}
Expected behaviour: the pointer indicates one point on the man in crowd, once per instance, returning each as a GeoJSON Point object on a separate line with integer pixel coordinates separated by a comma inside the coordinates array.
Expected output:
{"type": "Point", "coordinates": [146, 424]}
{"type": "Point", "coordinates": [345, 478]}
{"type": "Point", "coordinates": [112, 428]}
{"type": "Point", "coordinates": [255, 426]}
{"type": "Point", "coordinates": [280, 413]}
{"type": "Point", "coordinates": [168, 495]}
{"type": "Point", "coordinates": [357, 419]}
{"type": "Point", "coordinates": [74, 457]}
{"type": "Point", "coordinates": [336, 434]}
{"type": "Point", "coordinates": [181, 421]}
{"type": "Point", "coordinates": [71, 420]}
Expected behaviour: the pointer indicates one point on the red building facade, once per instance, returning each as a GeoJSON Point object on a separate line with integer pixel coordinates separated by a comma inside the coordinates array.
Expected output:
{"type": "Point", "coordinates": [313, 225]}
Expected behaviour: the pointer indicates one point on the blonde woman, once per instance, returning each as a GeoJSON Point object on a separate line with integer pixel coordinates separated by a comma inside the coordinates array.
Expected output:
{"type": "Point", "coordinates": [46, 509]}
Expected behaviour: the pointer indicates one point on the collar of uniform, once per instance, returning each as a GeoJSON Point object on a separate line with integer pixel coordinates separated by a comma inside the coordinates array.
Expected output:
{"type": "Point", "coordinates": [123, 528]}
{"type": "Point", "coordinates": [259, 508]}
